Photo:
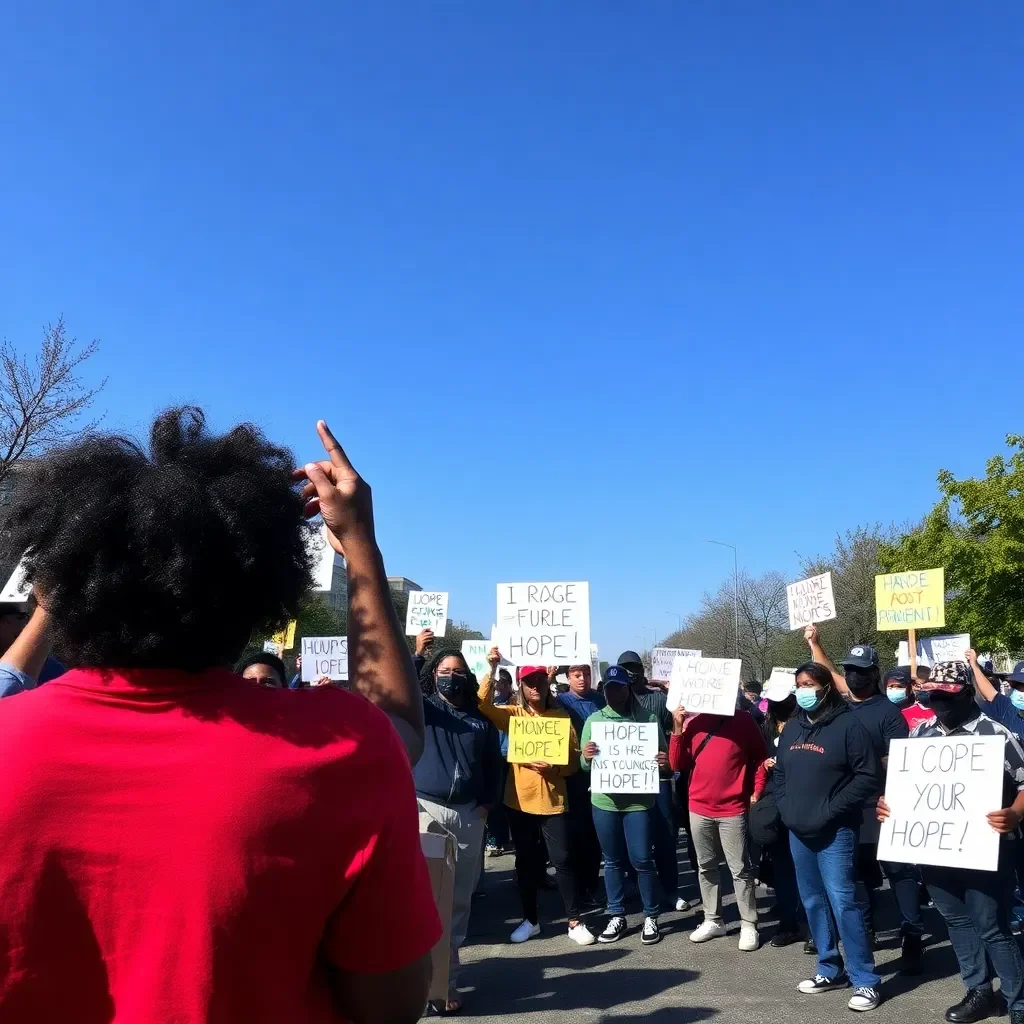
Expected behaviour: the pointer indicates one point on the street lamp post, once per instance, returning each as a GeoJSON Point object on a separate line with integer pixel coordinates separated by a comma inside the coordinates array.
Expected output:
{"type": "Point", "coordinates": [679, 619]}
{"type": "Point", "coordinates": [655, 632]}
{"type": "Point", "coordinates": [735, 589]}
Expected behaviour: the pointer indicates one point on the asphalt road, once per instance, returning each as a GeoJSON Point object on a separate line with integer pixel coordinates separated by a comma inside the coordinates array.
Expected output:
{"type": "Point", "coordinates": [549, 979]}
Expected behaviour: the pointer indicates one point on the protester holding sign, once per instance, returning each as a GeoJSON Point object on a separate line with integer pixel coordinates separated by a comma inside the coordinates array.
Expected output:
{"type": "Point", "coordinates": [180, 845]}
{"type": "Point", "coordinates": [623, 816]}
{"type": "Point", "coordinates": [825, 769]}
{"type": "Point", "coordinates": [975, 904]}
{"type": "Point", "coordinates": [717, 757]}
{"type": "Point", "coordinates": [536, 802]}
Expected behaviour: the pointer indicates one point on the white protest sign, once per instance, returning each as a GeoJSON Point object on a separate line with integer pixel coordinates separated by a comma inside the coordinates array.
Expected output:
{"type": "Point", "coordinates": [781, 679]}
{"type": "Point", "coordinates": [811, 600]}
{"type": "Point", "coordinates": [662, 658]}
{"type": "Point", "coordinates": [324, 656]}
{"type": "Point", "coordinates": [428, 609]}
{"type": "Point", "coordinates": [475, 653]}
{"type": "Point", "coordinates": [933, 649]}
{"type": "Point", "coordinates": [325, 558]}
{"type": "Point", "coordinates": [705, 685]}
{"type": "Point", "coordinates": [17, 589]}
{"type": "Point", "coordinates": [627, 757]}
{"type": "Point", "coordinates": [544, 623]}
{"type": "Point", "coordinates": [595, 666]}
{"type": "Point", "coordinates": [269, 647]}
{"type": "Point", "coordinates": [939, 792]}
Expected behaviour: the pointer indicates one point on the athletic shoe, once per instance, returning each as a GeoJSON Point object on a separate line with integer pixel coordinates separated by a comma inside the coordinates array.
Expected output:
{"type": "Point", "coordinates": [810, 948]}
{"type": "Point", "coordinates": [749, 939]}
{"type": "Point", "coordinates": [683, 905]}
{"type": "Point", "coordinates": [492, 849]}
{"type": "Point", "coordinates": [819, 983]}
{"type": "Point", "coordinates": [707, 930]}
{"type": "Point", "coordinates": [785, 937]}
{"type": "Point", "coordinates": [614, 930]}
{"type": "Point", "coordinates": [582, 935]}
{"type": "Point", "coordinates": [864, 999]}
{"type": "Point", "coordinates": [651, 935]}
{"type": "Point", "coordinates": [527, 930]}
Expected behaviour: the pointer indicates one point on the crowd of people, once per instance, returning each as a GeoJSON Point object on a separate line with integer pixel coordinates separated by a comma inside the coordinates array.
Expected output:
{"type": "Point", "coordinates": [188, 839]}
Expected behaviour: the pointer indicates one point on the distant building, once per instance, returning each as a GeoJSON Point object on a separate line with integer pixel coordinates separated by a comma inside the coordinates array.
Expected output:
{"type": "Point", "coordinates": [402, 585]}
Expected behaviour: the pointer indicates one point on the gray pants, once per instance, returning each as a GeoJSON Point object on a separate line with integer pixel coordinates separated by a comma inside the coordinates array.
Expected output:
{"type": "Point", "coordinates": [466, 822]}
{"type": "Point", "coordinates": [714, 838]}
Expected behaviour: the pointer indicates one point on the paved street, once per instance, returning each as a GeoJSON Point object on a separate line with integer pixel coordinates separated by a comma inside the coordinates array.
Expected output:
{"type": "Point", "coordinates": [549, 980]}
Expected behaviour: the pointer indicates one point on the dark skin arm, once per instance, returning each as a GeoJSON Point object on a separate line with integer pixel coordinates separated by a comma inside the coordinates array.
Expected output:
{"type": "Point", "coordinates": [395, 997]}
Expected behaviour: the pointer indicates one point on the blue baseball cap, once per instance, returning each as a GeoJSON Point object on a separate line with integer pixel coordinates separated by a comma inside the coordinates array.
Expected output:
{"type": "Point", "coordinates": [616, 675]}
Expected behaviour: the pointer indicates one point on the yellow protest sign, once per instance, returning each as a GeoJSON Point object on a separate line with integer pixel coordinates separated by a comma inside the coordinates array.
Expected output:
{"type": "Point", "coordinates": [285, 638]}
{"type": "Point", "coordinates": [910, 600]}
{"type": "Point", "coordinates": [537, 738]}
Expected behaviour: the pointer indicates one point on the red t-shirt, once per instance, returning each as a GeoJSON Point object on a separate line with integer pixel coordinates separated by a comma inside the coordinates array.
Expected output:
{"type": "Point", "coordinates": [916, 714]}
{"type": "Point", "coordinates": [190, 849]}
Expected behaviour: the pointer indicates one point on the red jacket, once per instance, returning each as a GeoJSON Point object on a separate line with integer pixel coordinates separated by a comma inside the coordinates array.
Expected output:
{"type": "Point", "coordinates": [722, 778]}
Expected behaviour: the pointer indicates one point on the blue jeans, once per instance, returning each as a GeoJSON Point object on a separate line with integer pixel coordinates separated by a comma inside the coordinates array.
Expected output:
{"type": "Point", "coordinates": [976, 906]}
{"type": "Point", "coordinates": [625, 838]}
{"type": "Point", "coordinates": [663, 822]}
{"type": "Point", "coordinates": [825, 873]}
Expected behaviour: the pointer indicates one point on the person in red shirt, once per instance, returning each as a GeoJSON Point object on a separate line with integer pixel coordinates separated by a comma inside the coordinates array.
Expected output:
{"type": "Point", "coordinates": [721, 755]}
{"type": "Point", "coordinates": [181, 844]}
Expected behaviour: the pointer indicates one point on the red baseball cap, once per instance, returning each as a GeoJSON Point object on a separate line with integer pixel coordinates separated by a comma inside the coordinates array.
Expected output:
{"type": "Point", "coordinates": [530, 670]}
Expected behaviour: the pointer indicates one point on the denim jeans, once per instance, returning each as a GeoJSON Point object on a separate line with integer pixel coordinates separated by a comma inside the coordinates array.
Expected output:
{"type": "Point", "coordinates": [663, 822]}
{"type": "Point", "coordinates": [825, 876]}
{"type": "Point", "coordinates": [625, 838]}
{"type": "Point", "coordinates": [976, 906]}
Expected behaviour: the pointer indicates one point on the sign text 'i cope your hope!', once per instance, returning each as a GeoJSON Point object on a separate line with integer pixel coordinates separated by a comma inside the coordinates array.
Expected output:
{"type": "Point", "coordinates": [544, 623]}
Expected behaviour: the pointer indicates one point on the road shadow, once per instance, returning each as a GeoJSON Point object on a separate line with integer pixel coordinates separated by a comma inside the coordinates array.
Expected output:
{"type": "Point", "coordinates": [668, 1015]}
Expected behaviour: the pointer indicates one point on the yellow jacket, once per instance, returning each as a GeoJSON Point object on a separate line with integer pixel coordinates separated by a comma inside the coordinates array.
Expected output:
{"type": "Point", "coordinates": [528, 790]}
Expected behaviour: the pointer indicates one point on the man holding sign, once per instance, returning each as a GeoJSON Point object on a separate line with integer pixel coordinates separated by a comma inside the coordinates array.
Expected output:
{"type": "Point", "coordinates": [936, 801]}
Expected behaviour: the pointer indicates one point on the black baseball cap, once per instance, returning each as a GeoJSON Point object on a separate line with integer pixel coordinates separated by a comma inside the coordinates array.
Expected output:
{"type": "Point", "coordinates": [1017, 675]}
{"type": "Point", "coordinates": [861, 656]}
{"type": "Point", "coordinates": [630, 658]}
{"type": "Point", "coordinates": [901, 674]}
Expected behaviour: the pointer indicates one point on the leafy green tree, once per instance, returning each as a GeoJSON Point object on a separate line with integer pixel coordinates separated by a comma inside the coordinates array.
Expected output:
{"type": "Point", "coordinates": [975, 532]}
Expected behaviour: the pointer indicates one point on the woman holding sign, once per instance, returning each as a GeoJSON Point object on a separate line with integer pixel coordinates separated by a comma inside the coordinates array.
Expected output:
{"type": "Point", "coordinates": [622, 816]}
{"type": "Point", "coordinates": [536, 799]}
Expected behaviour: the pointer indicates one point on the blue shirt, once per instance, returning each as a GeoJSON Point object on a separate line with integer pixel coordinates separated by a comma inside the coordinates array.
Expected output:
{"type": "Point", "coordinates": [1002, 710]}
{"type": "Point", "coordinates": [581, 708]}
{"type": "Point", "coordinates": [13, 680]}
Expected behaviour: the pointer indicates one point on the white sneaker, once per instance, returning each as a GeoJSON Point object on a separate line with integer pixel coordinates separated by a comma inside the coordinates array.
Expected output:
{"type": "Point", "coordinates": [749, 939]}
{"type": "Point", "coordinates": [682, 905]}
{"type": "Point", "coordinates": [581, 935]}
{"type": "Point", "coordinates": [527, 930]}
{"type": "Point", "coordinates": [864, 1000]}
{"type": "Point", "coordinates": [708, 930]}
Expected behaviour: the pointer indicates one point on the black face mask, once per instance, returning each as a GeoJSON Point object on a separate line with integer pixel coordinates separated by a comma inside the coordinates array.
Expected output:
{"type": "Point", "coordinates": [453, 687]}
{"type": "Point", "coordinates": [783, 709]}
{"type": "Point", "coordinates": [924, 698]}
{"type": "Point", "coordinates": [861, 681]}
{"type": "Point", "coordinates": [636, 676]}
{"type": "Point", "coordinates": [952, 709]}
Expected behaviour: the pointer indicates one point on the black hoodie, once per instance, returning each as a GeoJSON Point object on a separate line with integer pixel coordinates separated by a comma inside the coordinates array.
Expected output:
{"type": "Point", "coordinates": [825, 772]}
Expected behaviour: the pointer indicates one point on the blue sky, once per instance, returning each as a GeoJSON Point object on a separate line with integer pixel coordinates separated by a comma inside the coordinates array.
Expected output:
{"type": "Point", "coordinates": [578, 285]}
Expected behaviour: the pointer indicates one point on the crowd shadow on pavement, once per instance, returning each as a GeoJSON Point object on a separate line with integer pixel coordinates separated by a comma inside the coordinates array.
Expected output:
{"type": "Point", "coordinates": [667, 1015]}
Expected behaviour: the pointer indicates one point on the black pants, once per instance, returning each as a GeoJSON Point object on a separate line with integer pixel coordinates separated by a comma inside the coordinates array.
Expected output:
{"type": "Point", "coordinates": [497, 820]}
{"type": "Point", "coordinates": [585, 849]}
{"type": "Point", "coordinates": [527, 830]}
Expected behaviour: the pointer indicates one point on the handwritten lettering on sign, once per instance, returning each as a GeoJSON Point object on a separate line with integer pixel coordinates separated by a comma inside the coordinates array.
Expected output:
{"type": "Point", "coordinates": [705, 685]}
{"type": "Point", "coordinates": [324, 656]}
{"type": "Point", "coordinates": [428, 609]}
{"type": "Point", "coordinates": [544, 623]}
{"type": "Point", "coordinates": [811, 600]}
{"type": "Point", "coordinates": [626, 760]}
{"type": "Point", "coordinates": [939, 792]}
{"type": "Point", "coordinates": [662, 659]}
{"type": "Point", "coordinates": [538, 738]}
{"type": "Point", "coordinates": [910, 600]}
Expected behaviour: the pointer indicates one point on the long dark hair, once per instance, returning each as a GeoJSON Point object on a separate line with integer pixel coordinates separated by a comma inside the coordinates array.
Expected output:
{"type": "Point", "coordinates": [770, 725]}
{"type": "Point", "coordinates": [427, 685]}
{"type": "Point", "coordinates": [821, 675]}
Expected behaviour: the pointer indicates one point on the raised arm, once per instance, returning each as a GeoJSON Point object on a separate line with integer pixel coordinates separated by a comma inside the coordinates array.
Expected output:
{"type": "Point", "coordinates": [380, 665]}
{"type": "Point", "coordinates": [498, 714]}
{"type": "Point", "coordinates": [818, 654]}
{"type": "Point", "coordinates": [982, 682]}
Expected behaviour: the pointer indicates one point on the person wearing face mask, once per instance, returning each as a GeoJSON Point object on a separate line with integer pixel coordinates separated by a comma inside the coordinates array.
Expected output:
{"type": "Point", "coordinates": [904, 693]}
{"type": "Point", "coordinates": [781, 706]}
{"type": "Point", "coordinates": [861, 679]}
{"type": "Point", "coordinates": [976, 904]}
{"type": "Point", "coordinates": [536, 802]}
{"type": "Point", "coordinates": [457, 782]}
{"type": "Point", "coordinates": [825, 769]}
{"type": "Point", "coordinates": [623, 820]}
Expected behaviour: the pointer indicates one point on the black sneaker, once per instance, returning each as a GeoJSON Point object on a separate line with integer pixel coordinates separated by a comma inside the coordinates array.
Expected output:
{"type": "Point", "coordinates": [978, 1004]}
{"type": "Point", "coordinates": [910, 965]}
{"type": "Point", "coordinates": [810, 948]}
{"type": "Point", "coordinates": [651, 935]}
{"type": "Point", "coordinates": [614, 930]}
{"type": "Point", "coordinates": [817, 984]}
{"type": "Point", "coordinates": [785, 937]}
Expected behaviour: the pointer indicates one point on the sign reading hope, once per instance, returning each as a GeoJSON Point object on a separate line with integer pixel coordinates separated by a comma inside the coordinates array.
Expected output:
{"type": "Point", "coordinates": [544, 623]}
{"type": "Point", "coordinates": [428, 609]}
{"type": "Point", "coordinates": [626, 759]}
{"type": "Point", "coordinates": [705, 685]}
{"type": "Point", "coordinates": [939, 792]}
{"type": "Point", "coordinates": [811, 600]}
{"type": "Point", "coordinates": [324, 656]}
{"type": "Point", "coordinates": [537, 738]}
{"type": "Point", "coordinates": [910, 600]}
{"type": "Point", "coordinates": [662, 659]}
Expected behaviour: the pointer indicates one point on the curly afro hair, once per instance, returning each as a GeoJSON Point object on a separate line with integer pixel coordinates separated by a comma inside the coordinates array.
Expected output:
{"type": "Point", "coordinates": [165, 560]}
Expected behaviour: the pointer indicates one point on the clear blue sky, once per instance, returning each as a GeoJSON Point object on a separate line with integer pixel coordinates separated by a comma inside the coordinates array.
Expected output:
{"type": "Point", "coordinates": [578, 285]}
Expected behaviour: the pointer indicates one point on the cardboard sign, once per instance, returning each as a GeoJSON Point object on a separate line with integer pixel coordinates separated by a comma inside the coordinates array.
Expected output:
{"type": "Point", "coordinates": [939, 792]}
{"type": "Point", "coordinates": [910, 600]}
{"type": "Point", "coordinates": [538, 738]}
{"type": "Point", "coordinates": [428, 609]}
{"type": "Point", "coordinates": [626, 760]}
{"type": "Point", "coordinates": [324, 656]}
{"type": "Point", "coordinates": [661, 661]}
{"type": "Point", "coordinates": [285, 638]}
{"type": "Point", "coordinates": [705, 685]}
{"type": "Point", "coordinates": [17, 589]}
{"type": "Point", "coordinates": [811, 600]}
{"type": "Point", "coordinates": [544, 623]}
{"type": "Point", "coordinates": [934, 649]}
